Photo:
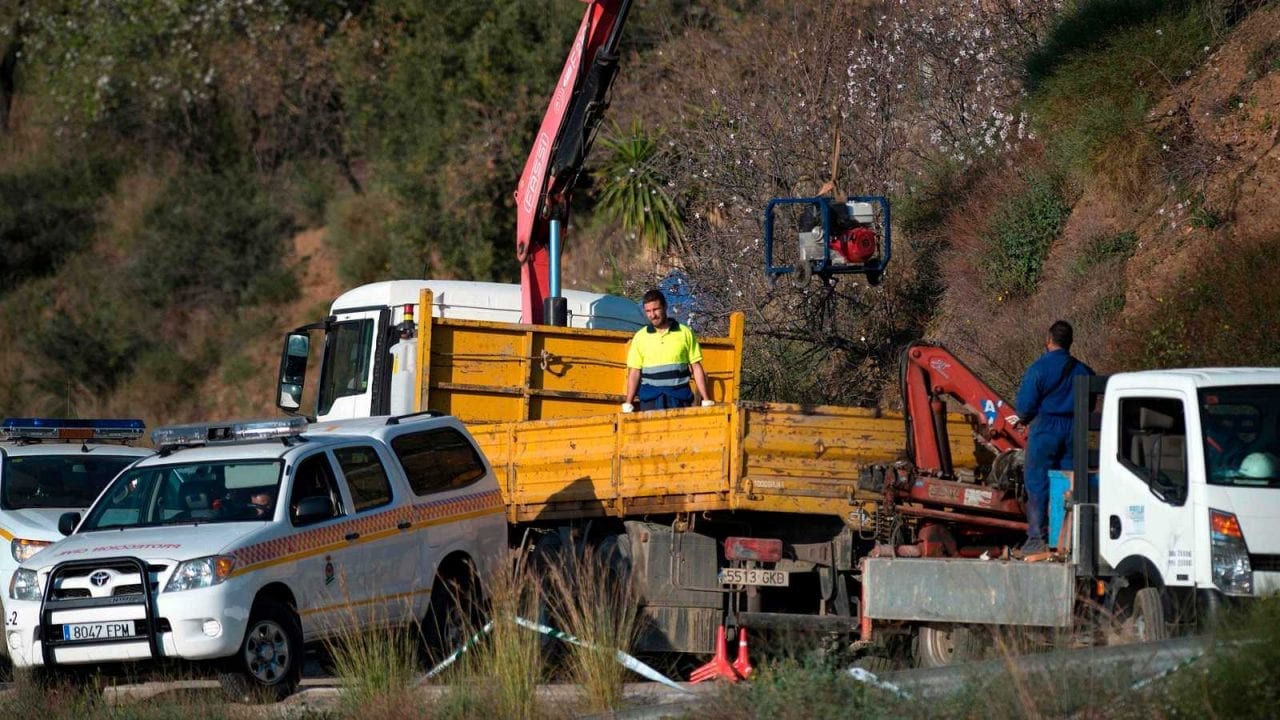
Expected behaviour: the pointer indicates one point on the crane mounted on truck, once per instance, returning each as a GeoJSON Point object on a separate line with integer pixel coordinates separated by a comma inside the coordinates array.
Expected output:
{"type": "Point", "coordinates": [542, 402]}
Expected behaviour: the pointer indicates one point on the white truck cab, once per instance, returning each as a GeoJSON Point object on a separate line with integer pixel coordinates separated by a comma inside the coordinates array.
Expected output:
{"type": "Point", "coordinates": [239, 543]}
{"type": "Point", "coordinates": [49, 466]}
{"type": "Point", "coordinates": [370, 338]}
{"type": "Point", "coordinates": [1189, 468]}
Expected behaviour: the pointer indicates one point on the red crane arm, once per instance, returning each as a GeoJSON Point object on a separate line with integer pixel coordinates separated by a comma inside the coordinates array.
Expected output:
{"type": "Point", "coordinates": [562, 143]}
{"type": "Point", "coordinates": [930, 372]}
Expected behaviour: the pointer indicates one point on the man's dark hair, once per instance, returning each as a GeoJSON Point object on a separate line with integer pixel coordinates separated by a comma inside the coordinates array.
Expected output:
{"type": "Point", "coordinates": [1061, 334]}
{"type": "Point", "coordinates": [654, 295]}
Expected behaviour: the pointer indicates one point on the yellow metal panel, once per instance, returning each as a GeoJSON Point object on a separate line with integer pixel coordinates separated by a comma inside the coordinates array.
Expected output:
{"type": "Point", "coordinates": [674, 453]}
{"type": "Point", "coordinates": [496, 372]}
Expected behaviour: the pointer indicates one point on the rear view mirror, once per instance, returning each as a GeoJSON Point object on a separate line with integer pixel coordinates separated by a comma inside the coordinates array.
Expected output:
{"type": "Point", "coordinates": [312, 509]}
{"type": "Point", "coordinates": [67, 522]}
{"type": "Point", "coordinates": [293, 370]}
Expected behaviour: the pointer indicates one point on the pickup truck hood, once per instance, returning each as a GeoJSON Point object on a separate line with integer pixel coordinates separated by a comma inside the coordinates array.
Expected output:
{"type": "Point", "coordinates": [170, 542]}
{"type": "Point", "coordinates": [35, 523]}
{"type": "Point", "coordinates": [1257, 509]}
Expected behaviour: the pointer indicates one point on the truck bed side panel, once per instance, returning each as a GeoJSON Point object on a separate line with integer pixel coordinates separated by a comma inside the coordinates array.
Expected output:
{"type": "Point", "coordinates": [969, 591]}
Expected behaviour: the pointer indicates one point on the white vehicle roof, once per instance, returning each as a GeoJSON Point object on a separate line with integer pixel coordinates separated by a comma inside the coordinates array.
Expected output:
{"type": "Point", "coordinates": [1191, 379]}
{"type": "Point", "coordinates": [497, 302]}
{"type": "Point", "coordinates": [75, 447]}
{"type": "Point", "coordinates": [315, 435]}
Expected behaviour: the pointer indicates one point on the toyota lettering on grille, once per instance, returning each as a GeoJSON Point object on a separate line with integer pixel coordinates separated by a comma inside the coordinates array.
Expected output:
{"type": "Point", "coordinates": [100, 578]}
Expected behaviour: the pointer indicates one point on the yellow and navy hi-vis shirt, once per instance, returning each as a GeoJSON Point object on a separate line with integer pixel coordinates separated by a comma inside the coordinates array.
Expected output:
{"type": "Point", "coordinates": [663, 358]}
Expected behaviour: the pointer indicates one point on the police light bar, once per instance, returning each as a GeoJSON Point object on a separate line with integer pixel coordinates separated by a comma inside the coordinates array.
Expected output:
{"type": "Point", "coordinates": [62, 429]}
{"type": "Point", "coordinates": [215, 433]}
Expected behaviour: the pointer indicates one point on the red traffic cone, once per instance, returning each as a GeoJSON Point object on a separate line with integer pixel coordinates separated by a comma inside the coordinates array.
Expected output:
{"type": "Point", "coordinates": [719, 666]}
{"type": "Point", "coordinates": [742, 663]}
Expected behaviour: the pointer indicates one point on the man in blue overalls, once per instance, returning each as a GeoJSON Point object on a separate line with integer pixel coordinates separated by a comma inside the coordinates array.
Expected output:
{"type": "Point", "coordinates": [1045, 401]}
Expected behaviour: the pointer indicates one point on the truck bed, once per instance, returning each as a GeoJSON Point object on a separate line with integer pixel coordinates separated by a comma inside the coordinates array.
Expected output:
{"type": "Point", "coordinates": [769, 457]}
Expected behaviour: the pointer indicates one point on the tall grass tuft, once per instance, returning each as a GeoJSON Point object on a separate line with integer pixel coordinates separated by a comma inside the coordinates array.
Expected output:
{"type": "Point", "coordinates": [377, 665]}
{"type": "Point", "coordinates": [591, 597]}
{"type": "Point", "coordinates": [498, 678]}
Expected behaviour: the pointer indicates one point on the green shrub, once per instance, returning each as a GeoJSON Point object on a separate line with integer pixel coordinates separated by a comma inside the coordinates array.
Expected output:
{"type": "Point", "coordinates": [926, 200]}
{"type": "Point", "coordinates": [1091, 109]}
{"type": "Point", "coordinates": [213, 238]}
{"type": "Point", "coordinates": [48, 212]}
{"type": "Point", "coordinates": [1089, 25]}
{"type": "Point", "coordinates": [1221, 317]}
{"type": "Point", "coordinates": [1238, 678]}
{"type": "Point", "coordinates": [1265, 59]}
{"type": "Point", "coordinates": [1104, 249]}
{"type": "Point", "coordinates": [796, 689]}
{"type": "Point", "coordinates": [1017, 241]}
{"type": "Point", "coordinates": [362, 235]}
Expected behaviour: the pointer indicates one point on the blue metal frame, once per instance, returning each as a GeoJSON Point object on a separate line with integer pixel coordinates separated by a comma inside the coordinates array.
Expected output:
{"type": "Point", "coordinates": [825, 268]}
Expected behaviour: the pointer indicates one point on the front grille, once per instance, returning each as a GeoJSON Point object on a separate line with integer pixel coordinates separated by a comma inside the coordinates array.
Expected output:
{"type": "Point", "coordinates": [79, 576]}
{"type": "Point", "coordinates": [1265, 563]}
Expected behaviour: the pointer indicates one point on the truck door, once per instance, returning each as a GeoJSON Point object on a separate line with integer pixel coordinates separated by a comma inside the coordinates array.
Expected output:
{"type": "Point", "coordinates": [354, 378]}
{"type": "Point", "coordinates": [321, 580]}
{"type": "Point", "coordinates": [1144, 499]}
{"type": "Point", "coordinates": [384, 577]}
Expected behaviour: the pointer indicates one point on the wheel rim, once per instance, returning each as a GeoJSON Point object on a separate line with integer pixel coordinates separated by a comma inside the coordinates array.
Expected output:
{"type": "Point", "coordinates": [937, 646]}
{"type": "Point", "coordinates": [266, 652]}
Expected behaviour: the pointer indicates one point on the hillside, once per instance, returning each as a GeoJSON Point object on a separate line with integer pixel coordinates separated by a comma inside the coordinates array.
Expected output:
{"type": "Point", "coordinates": [166, 215]}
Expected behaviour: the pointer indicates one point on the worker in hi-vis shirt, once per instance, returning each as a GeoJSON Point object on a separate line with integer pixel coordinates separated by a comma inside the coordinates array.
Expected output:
{"type": "Point", "coordinates": [662, 358]}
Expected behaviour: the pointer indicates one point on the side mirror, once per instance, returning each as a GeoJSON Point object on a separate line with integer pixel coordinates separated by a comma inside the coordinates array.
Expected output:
{"type": "Point", "coordinates": [313, 509]}
{"type": "Point", "coordinates": [293, 370]}
{"type": "Point", "coordinates": [67, 522]}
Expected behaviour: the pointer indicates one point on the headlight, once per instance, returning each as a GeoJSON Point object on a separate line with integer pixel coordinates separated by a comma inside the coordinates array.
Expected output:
{"type": "Point", "coordinates": [201, 573]}
{"type": "Point", "coordinates": [1229, 556]}
{"type": "Point", "coordinates": [25, 585]}
{"type": "Point", "coordinates": [23, 549]}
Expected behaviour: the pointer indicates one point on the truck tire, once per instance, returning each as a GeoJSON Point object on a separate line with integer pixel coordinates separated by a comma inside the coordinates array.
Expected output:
{"type": "Point", "coordinates": [453, 615]}
{"type": "Point", "coordinates": [268, 666]}
{"type": "Point", "coordinates": [1146, 617]}
{"type": "Point", "coordinates": [944, 645]}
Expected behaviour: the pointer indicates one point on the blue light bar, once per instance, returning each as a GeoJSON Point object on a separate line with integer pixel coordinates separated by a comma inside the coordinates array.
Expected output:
{"type": "Point", "coordinates": [219, 433]}
{"type": "Point", "coordinates": [71, 429]}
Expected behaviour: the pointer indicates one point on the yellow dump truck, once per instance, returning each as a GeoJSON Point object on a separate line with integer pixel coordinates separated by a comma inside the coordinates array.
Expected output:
{"type": "Point", "coordinates": [756, 510]}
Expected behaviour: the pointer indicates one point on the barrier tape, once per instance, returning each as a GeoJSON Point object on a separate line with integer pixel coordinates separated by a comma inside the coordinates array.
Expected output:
{"type": "Point", "coordinates": [630, 662]}
{"type": "Point", "coordinates": [867, 677]}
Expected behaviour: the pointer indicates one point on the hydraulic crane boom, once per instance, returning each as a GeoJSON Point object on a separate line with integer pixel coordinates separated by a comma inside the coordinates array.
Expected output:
{"type": "Point", "coordinates": [930, 372]}
{"type": "Point", "coordinates": [562, 144]}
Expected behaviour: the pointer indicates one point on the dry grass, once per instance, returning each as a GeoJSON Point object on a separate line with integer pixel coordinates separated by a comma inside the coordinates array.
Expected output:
{"type": "Point", "coordinates": [596, 604]}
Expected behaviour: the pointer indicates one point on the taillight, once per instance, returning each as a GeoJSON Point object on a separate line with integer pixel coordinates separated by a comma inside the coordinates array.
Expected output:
{"type": "Point", "coordinates": [757, 549]}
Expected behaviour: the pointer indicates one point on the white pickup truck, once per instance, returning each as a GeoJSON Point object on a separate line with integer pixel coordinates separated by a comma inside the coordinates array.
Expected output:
{"type": "Point", "coordinates": [256, 538]}
{"type": "Point", "coordinates": [49, 466]}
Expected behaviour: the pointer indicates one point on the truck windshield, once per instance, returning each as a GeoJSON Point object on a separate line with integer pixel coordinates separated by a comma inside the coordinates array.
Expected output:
{"type": "Point", "coordinates": [1240, 441]}
{"type": "Point", "coordinates": [57, 481]}
{"type": "Point", "coordinates": [208, 492]}
{"type": "Point", "coordinates": [348, 346]}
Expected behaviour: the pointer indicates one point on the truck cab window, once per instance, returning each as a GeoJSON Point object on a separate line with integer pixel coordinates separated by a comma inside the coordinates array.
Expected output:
{"type": "Point", "coordinates": [348, 346]}
{"type": "Point", "coordinates": [1153, 434]}
{"type": "Point", "coordinates": [366, 477]}
{"type": "Point", "coordinates": [438, 460]}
